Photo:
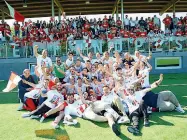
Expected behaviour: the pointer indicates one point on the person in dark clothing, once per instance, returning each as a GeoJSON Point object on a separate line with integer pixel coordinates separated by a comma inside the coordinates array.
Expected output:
{"type": "Point", "coordinates": [163, 101]}
{"type": "Point", "coordinates": [142, 23]}
{"type": "Point", "coordinates": [135, 116]}
{"type": "Point", "coordinates": [23, 88]}
{"type": "Point", "coordinates": [128, 59]}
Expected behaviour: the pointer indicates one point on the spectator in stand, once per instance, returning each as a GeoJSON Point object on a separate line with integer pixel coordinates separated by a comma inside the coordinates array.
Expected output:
{"type": "Point", "coordinates": [185, 32]}
{"type": "Point", "coordinates": [118, 23]}
{"type": "Point", "coordinates": [156, 29]}
{"type": "Point", "coordinates": [136, 21]}
{"type": "Point", "coordinates": [151, 34]}
{"type": "Point", "coordinates": [23, 47]}
{"type": "Point", "coordinates": [142, 23]}
{"type": "Point", "coordinates": [150, 24]}
{"type": "Point", "coordinates": [167, 21]}
{"type": "Point", "coordinates": [180, 24]}
{"type": "Point", "coordinates": [126, 22]}
{"type": "Point", "coordinates": [132, 23]}
{"type": "Point", "coordinates": [156, 21]}
{"type": "Point", "coordinates": [178, 32]}
{"type": "Point", "coordinates": [7, 32]}
{"type": "Point", "coordinates": [167, 32]}
{"type": "Point", "coordinates": [17, 28]}
{"type": "Point", "coordinates": [38, 24]}
{"type": "Point", "coordinates": [175, 21]}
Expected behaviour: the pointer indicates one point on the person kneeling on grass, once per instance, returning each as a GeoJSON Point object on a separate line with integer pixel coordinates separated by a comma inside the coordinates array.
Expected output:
{"type": "Point", "coordinates": [24, 88]}
{"type": "Point", "coordinates": [54, 98]}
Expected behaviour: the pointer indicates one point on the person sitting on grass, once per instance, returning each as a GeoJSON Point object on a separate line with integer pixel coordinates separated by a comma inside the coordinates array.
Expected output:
{"type": "Point", "coordinates": [88, 109]}
{"type": "Point", "coordinates": [54, 98]}
{"type": "Point", "coordinates": [163, 101]}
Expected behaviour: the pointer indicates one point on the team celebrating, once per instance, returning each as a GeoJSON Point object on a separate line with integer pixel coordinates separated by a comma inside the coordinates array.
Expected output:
{"type": "Point", "coordinates": [98, 88]}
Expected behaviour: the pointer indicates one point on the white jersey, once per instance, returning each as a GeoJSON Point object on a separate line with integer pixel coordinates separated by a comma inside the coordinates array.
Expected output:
{"type": "Point", "coordinates": [126, 21]}
{"type": "Point", "coordinates": [43, 62]}
{"type": "Point", "coordinates": [108, 61]}
{"type": "Point", "coordinates": [108, 98]}
{"type": "Point", "coordinates": [76, 109]}
{"type": "Point", "coordinates": [94, 74]}
{"type": "Point", "coordinates": [145, 82]}
{"type": "Point", "coordinates": [142, 57]}
{"type": "Point", "coordinates": [83, 87]}
{"type": "Point", "coordinates": [69, 62]}
{"type": "Point", "coordinates": [35, 93]}
{"type": "Point", "coordinates": [109, 81]}
{"type": "Point", "coordinates": [133, 101]}
{"type": "Point", "coordinates": [86, 58]}
{"type": "Point", "coordinates": [97, 60]}
{"type": "Point", "coordinates": [98, 88]}
{"type": "Point", "coordinates": [53, 98]}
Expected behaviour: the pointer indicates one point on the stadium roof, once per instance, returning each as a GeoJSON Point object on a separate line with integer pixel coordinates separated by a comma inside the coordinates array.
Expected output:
{"type": "Point", "coordinates": [42, 8]}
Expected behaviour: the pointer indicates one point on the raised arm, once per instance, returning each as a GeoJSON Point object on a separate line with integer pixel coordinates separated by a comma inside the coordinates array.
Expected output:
{"type": "Point", "coordinates": [154, 85]}
{"type": "Point", "coordinates": [138, 80]}
{"type": "Point", "coordinates": [81, 96]}
{"type": "Point", "coordinates": [36, 51]}
{"type": "Point", "coordinates": [81, 55]}
{"type": "Point", "coordinates": [134, 69]}
{"type": "Point", "coordinates": [149, 66]}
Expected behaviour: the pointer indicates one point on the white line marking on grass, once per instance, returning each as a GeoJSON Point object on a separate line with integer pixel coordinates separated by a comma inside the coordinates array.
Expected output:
{"type": "Point", "coordinates": [8, 92]}
{"type": "Point", "coordinates": [173, 85]}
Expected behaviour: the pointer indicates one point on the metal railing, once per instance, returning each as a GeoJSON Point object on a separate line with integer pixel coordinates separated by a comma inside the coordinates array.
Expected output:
{"type": "Point", "coordinates": [148, 44]}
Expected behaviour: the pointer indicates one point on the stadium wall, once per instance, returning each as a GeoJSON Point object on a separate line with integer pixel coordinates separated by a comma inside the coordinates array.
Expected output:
{"type": "Point", "coordinates": [17, 65]}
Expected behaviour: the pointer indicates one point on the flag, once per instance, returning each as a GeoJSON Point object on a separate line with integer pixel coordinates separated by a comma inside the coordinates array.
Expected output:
{"type": "Point", "coordinates": [13, 82]}
{"type": "Point", "coordinates": [15, 14]}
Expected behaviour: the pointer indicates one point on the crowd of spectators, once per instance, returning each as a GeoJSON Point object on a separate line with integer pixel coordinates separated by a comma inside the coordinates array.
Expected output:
{"type": "Point", "coordinates": [96, 29]}
{"type": "Point", "coordinates": [82, 28]}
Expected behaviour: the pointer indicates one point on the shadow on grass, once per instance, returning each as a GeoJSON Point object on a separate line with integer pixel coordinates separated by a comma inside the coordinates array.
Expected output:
{"type": "Point", "coordinates": [123, 137]}
{"type": "Point", "coordinates": [155, 120]}
{"type": "Point", "coordinates": [101, 124]}
{"type": "Point", "coordinates": [160, 121]}
{"type": "Point", "coordinates": [172, 114]}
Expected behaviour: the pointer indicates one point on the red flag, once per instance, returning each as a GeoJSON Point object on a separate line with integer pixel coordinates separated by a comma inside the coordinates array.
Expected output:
{"type": "Point", "coordinates": [15, 14]}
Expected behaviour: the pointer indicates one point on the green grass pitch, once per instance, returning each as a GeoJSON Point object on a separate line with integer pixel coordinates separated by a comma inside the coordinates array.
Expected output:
{"type": "Point", "coordinates": [163, 126]}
